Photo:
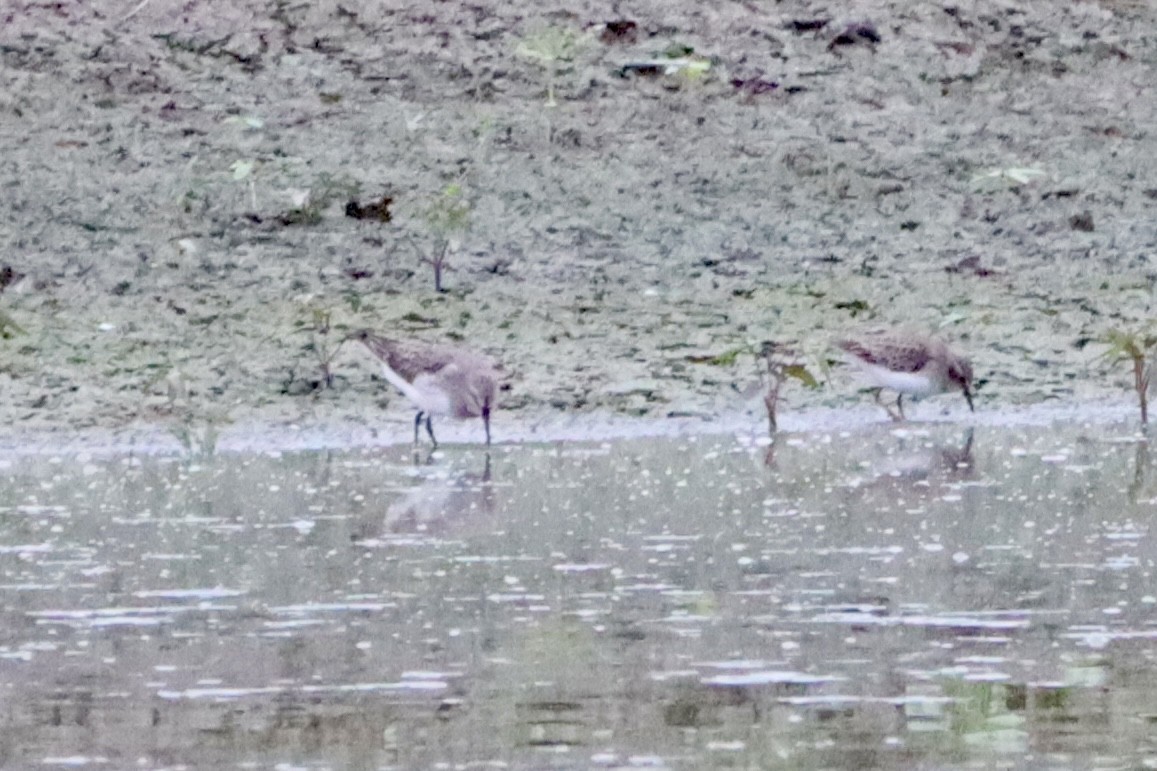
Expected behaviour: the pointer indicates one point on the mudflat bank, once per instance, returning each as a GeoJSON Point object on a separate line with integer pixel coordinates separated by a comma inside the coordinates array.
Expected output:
{"type": "Point", "coordinates": [176, 177]}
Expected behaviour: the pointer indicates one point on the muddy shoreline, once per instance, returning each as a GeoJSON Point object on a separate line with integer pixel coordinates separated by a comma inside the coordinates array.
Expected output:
{"type": "Point", "coordinates": [626, 248]}
{"type": "Point", "coordinates": [1102, 421]}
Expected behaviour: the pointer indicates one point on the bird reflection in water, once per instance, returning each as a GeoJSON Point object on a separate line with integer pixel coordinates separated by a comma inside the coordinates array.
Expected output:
{"type": "Point", "coordinates": [442, 497]}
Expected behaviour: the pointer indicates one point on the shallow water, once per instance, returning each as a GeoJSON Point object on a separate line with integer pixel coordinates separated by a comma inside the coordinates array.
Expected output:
{"type": "Point", "coordinates": [930, 597]}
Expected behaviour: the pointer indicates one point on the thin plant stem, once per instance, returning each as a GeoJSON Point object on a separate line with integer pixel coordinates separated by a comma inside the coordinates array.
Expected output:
{"type": "Point", "coordinates": [1141, 383]}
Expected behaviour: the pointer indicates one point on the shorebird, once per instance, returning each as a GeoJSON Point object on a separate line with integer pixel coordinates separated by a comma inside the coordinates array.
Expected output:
{"type": "Point", "coordinates": [908, 363]}
{"type": "Point", "coordinates": [439, 380]}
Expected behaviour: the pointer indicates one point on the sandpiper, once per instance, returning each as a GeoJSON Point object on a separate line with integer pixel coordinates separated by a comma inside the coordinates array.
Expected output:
{"type": "Point", "coordinates": [909, 363]}
{"type": "Point", "coordinates": [439, 380]}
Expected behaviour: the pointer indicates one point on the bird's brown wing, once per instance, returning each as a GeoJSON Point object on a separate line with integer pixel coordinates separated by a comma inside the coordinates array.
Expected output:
{"type": "Point", "coordinates": [410, 361]}
{"type": "Point", "coordinates": [896, 355]}
{"type": "Point", "coordinates": [407, 359]}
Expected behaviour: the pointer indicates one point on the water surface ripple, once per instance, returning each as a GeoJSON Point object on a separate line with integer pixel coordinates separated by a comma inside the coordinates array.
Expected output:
{"type": "Point", "coordinates": [924, 597]}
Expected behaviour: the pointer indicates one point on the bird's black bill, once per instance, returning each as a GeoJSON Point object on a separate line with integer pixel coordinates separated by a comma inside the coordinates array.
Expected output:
{"type": "Point", "coordinates": [968, 398]}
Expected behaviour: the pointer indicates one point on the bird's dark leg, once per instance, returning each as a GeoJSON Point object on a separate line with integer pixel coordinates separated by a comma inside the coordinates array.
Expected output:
{"type": "Point", "coordinates": [900, 406]}
{"type": "Point", "coordinates": [430, 429]}
{"type": "Point", "coordinates": [417, 425]}
{"type": "Point", "coordinates": [486, 423]}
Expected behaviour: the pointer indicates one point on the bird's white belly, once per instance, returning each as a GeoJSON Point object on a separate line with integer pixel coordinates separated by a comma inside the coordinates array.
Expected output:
{"type": "Point", "coordinates": [430, 396]}
{"type": "Point", "coordinates": [426, 392]}
{"type": "Point", "coordinates": [915, 383]}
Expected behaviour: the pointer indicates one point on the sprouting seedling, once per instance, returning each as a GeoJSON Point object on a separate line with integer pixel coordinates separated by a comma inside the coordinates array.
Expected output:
{"type": "Point", "coordinates": [447, 217]}
{"type": "Point", "coordinates": [782, 363]}
{"type": "Point", "coordinates": [319, 325]}
{"type": "Point", "coordinates": [1134, 347]}
{"type": "Point", "coordinates": [323, 345]}
{"type": "Point", "coordinates": [551, 47]}
{"type": "Point", "coordinates": [8, 327]}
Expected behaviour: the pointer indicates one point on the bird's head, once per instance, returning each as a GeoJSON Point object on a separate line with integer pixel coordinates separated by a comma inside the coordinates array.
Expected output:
{"type": "Point", "coordinates": [960, 373]}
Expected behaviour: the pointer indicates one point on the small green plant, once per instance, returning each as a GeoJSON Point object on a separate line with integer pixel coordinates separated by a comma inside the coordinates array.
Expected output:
{"type": "Point", "coordinates": [8, 327]}
{"type": "Point", "coordinates": [447, 217]}
{"type": "Point", "coordinates": [553, 48]}
{"type": "Point", "coordinates": [1134, 347]}
{"type": "Point", "coordinates": [321, 343]}
{"type": "Point", "coordinates": [725, 359]}
{"type": "Point", "coordinates": [782, 362]}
